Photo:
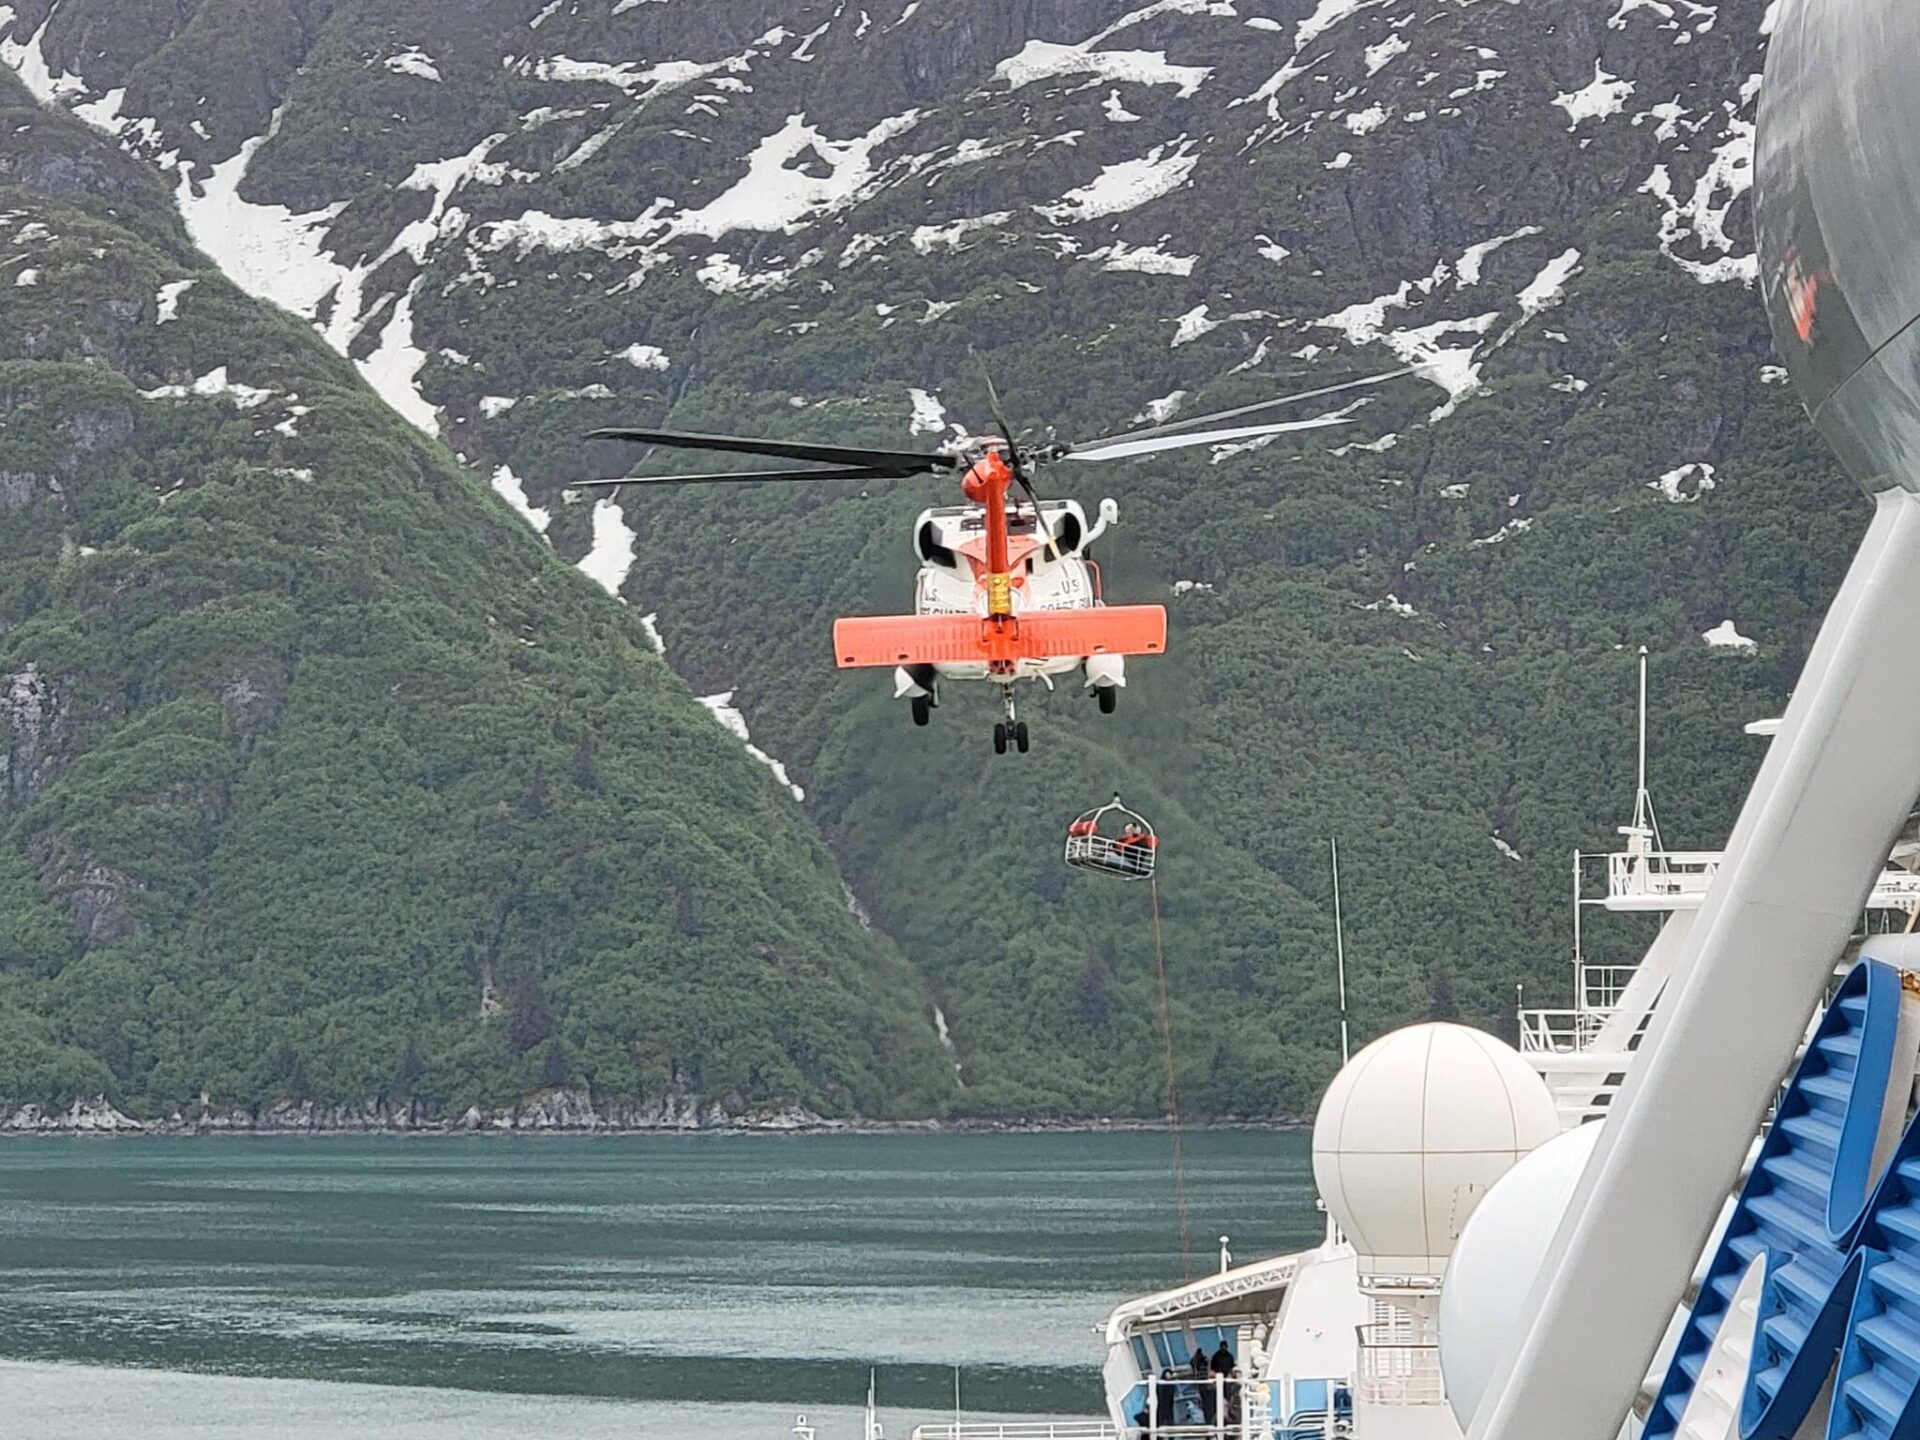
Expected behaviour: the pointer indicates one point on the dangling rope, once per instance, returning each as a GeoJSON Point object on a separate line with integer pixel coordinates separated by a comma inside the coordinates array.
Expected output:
{"type": "Point", "coordinates": [1173, 1087]}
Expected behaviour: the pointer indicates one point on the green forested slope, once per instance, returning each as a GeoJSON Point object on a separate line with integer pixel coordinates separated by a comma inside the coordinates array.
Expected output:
{"type": "Point", "coordinates": [325, 779]}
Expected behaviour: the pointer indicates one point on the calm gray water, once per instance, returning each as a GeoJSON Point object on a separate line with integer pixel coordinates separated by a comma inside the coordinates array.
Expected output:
{"type": "Point", "coordinates": [701, 1287]}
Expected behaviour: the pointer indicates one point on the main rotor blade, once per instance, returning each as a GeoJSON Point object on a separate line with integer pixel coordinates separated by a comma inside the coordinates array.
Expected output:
{"type": "Point", "coordinates": [725, 477]}
{"type": "Point", "coordinates": [901, 462]}
{"type": "Point", "coordinates": [1152, 444]}
{"type": "Point", "coordinates": [1177, 425]}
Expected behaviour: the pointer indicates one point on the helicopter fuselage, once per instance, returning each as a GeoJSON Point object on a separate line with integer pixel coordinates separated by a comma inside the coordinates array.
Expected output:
{"type": "Point", "coordinates": [958, 547]}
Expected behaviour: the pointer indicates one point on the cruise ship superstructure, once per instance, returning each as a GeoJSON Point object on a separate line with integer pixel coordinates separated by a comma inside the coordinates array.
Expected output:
{"type": "Point", "coordinates": [1331, 1342]}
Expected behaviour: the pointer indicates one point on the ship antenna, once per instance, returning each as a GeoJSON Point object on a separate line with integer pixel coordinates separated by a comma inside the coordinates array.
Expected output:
{"type": "Point", "coordinates": [1340, 951]}
{"type": "Point", "coordinates": [1645, 828]}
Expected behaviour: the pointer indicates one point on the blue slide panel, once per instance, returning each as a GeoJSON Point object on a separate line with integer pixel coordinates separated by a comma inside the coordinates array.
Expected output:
{"type": "Point", "coordinates": [1803, 1209]}
{"type": "Point", "coordinates": [1879, 1379]}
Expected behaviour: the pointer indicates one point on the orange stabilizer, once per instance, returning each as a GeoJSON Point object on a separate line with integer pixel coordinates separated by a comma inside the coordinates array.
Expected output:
{"type": "Point", "coordinates": [865, 640]}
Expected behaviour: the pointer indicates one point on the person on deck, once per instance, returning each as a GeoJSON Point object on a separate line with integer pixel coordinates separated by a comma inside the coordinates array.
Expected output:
{"type": "Point", "coordinates": [1202, 1376]}
{"type": "Point", "coordinates": [1223, 1366]}
{"type": "Point", "coordinates": [1165, 1394]}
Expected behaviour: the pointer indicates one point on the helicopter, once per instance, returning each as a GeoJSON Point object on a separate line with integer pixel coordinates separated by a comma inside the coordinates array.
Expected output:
{"type": "Point", "coordinates": [1007, 589]}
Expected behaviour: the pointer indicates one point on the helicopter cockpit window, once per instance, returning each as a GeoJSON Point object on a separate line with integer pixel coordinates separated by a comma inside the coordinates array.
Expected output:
{"type": "Point", "coordinates": [931, 550]}
{"type": "Point", "coordinates": [1067, 532]}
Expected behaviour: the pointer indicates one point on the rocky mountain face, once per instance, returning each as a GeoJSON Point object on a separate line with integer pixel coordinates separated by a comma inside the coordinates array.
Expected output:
{"type": "Point", "coordinates": [1412, 629]}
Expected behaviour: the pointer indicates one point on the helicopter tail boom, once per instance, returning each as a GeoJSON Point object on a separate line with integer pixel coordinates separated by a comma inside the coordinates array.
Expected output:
{"type": "Point", "coordinates": [889, 640]}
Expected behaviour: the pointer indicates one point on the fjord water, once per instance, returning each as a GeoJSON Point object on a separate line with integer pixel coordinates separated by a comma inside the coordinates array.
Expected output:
{"type": "Point", "coordinates": [700, 1287]}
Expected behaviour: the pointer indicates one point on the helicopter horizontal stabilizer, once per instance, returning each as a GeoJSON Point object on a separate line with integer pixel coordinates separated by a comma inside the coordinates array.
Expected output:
{"type": "Point", "coordinates": [886, 640]}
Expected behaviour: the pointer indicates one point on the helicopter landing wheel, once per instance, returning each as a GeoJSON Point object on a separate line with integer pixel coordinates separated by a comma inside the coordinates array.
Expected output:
{"type": "Point", "coordinates": [1020, 737]}
{"type": "Point", "coordinates": [999, 737]}
{"type": "Point", "coordinates": [922, 709]}
{"type": "Point", "coordinates": [1109, 698]}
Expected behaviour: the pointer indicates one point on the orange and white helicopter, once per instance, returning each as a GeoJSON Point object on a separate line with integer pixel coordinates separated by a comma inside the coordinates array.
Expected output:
{"type": "Point", "coordinates": [1007, 590]}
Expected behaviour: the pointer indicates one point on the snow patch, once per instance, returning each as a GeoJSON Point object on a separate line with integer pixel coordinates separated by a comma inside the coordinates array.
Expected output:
{"type": "Point", "coordinates": [1686, 484]}
{"type": "Point", "coordinates": [729, 715]}
{"type": "Point", "coordinates": [1044, 60]}
{"type": "Point", "coordinates": [929, 415]}
{"type": "Point", "coordinates": [1506, 532]}
{"type": "Point", "coordinates": [773, 196]}
{"type": "Point", "coordinates": [1254, 360]}
{"type": "Point", "coordinates": [1702, 217]}
{"type": "Point", "coordinates": [1549, 287]}
{"type": "Point", "coordinates": [1467, 268]}
{"type": "Point", "coordinates": [1385, 53]}
{"type": "Point", "coordinates": [646, 357]}
{"type": "Point", "coordinates": [414, 62]}
{"type": "Point", "coordinates": [1326, 15]}
{"type": "Point", "coordinates": [1601, 97]}
{"type": "Point", "coordinates": [1192, 325]}
{"type": "Point", "coordinates": [611, 559]}
{"type": "Point", "coordinates": [167, 300]}
{"type": "Point", "coordinates": [1393, 605]}
{"type": "Point", "coordinates": [1725, 636]}
{"type": "Point", "coordinates": [508, 487]}
{"type": "Point", "coordinates": [214, 384]}
{"type": "Point", "coordinates": [1142, 259]}
{"type": "Point", "coordinates": [1127, 185]}
{"type": "Point", "coordinates": [28, 60]}
{"type": "Point", "coordinates": [393, 369]}
{"type": "Point", "coordinates": [1365, 122]}
{"type": "Point", "coordinates": [928, 238]}
{"type": "Point", "coordinates": [1376, 447]}
{"type": "Point", "coordinates": [1159, 412]}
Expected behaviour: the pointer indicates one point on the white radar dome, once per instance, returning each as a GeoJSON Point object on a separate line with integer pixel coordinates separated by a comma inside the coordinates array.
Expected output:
{"type": "Point", "coordinates": [1496, 1261]}
{"type": "Point", "coordinates": [1413, 1131]}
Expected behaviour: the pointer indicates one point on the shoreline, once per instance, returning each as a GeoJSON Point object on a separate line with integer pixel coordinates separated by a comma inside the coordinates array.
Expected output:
{"type": "Point", "coordinates": [268, 1129]}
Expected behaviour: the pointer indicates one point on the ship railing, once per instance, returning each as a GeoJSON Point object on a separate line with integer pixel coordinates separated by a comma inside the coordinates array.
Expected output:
{"type": "Point", "coordinates": [1018, 1430]}
{"type": "Point", "coordinates": [1402, 1374]}
{"type": "Point", "coordinates": [1680, 879]}
{"type": "Point", "coordinates": [1556, 1032]}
